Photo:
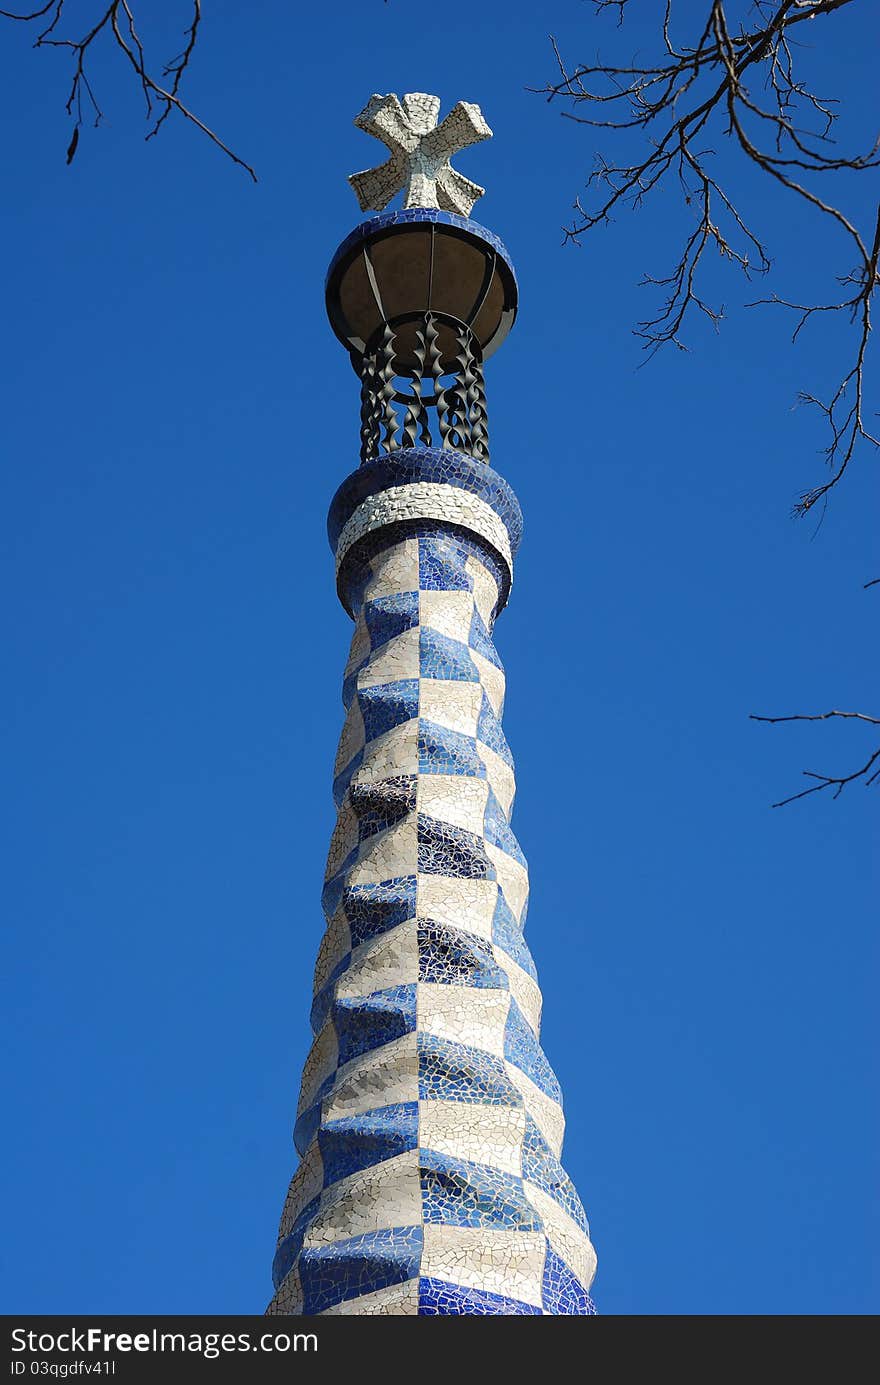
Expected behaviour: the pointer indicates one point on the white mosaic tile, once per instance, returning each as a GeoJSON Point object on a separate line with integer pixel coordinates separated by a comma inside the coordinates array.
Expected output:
{"type": "Point", "coordinates": [398, 659]}
{"type": "Point", "coordinates": [307, 1184]}
{"type": "Point", "coordinates": [486, 591]}
{"type": "Point", "coordinates": [467, 904]}
{"type": "Point", "coordinates": [335, 944]}
{"type": "Point", "coordinates": [449, 612]}
{"type": "Point", "coordinates": [490, 1135]}
{"type": "Point", "coordinates": [503, 1262]}
{"type": "Point", "coordinates": [425, 500]}
{"type": "Point", "coordinates": [453, 705]}
{"type": "Point", "coordinates": [463, 1016]}
{"type": "Point", "coordinates": [352, 738]}
{"type": "Point", "coordinates": [392, 959]}
{"type": "Point", "coordinates": [383, 1195]}
{"type": "Point", "coordinates": [392, 754]}
{"type": "Point", "coordinates": [321, 1062]}
{"type": "Point", "coordinates": [383, 1077]}
{"type": "Point", "coordinates": [397, 1300]}
{"type": "Point", "coordinates": [288, 1301]}
{"type": "Point", "coordinates": [455, 799]}
{"type": "Point", "coordinates": [389, 853]}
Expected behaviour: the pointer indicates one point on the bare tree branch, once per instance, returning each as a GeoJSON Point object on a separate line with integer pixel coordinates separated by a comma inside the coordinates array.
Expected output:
{"type": "Point", "coordinates": [741, 81]}
{"type": "Point", "coordinates": [118, 19]}
{"type": "Point", "coordinates": [818, 716]}
{"type": "Point", "coordinates": [837, 782]}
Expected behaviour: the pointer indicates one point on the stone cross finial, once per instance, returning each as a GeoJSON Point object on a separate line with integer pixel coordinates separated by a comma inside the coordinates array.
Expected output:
{"type": "Point", "coordinates": [420, 153]}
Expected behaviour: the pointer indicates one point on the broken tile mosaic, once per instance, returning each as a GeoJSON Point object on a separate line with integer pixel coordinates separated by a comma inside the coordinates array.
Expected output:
{"type": "Point", "coordinates": [425, 995]}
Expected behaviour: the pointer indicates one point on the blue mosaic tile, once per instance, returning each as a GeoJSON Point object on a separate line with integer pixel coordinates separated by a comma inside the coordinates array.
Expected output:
{"type": "Point", "coordinates": [496, 830]}
{"type": "Point", "coordinates": [507, 934]}
{"type": "Point", "coordinates": [352, 584]}
{"type": "Point", "coordinates": [442, 751]}
{"type": "Point", "coordinates": [290, 1247]}
{"type": "Point", "coordinates": [441, 657]}
{"type": "Point", "coordinates": [373, 909]}
{"type": "Point", "coordinates": [541, 1167]}
{"type": "Point", "coordinates": [330, 1274]}
{"type": "Point", "coordinates": [324, 998]}
{"type": "Point", "coordinates": [358, 1142]}
{"type": "Point", "coordinates": [448, 956]}
{"type": "Point", "coordinates": [456, 1192]}
{"type": "Point", "coordinates": [387, 706]}
{"type": "Point", "coordinates": [490, 733]}
{"type": "Point", "coordinates": [440, 567]}
{"type": "Point", "coordinates": [455, 1072]}
{"type": "Point", "coordinates": [447, 850]}
{"type": "Point", "coordinates": [522, 1048]}
{"type": "Point", "coordinates": [480, 640]}
{"type": "Point", "coordinates": [345, 776]}
{"type": "Point", "coordinates": [378, 807]}
{"type": "Point", "coordinates": [438, 1298]}
{"type": "Point", "coordinates": [391, 616]}
{"type": "Point", "coordinates": [562, 1292]}
{"type": "Point", "coordinates": [364, 1023]}
{"type": "Point", "coordinates": [306, 1128]}
{"type": "Point", "coordinates": [333, 890]}
{"type": "Point", "coordinates": [350, 682]}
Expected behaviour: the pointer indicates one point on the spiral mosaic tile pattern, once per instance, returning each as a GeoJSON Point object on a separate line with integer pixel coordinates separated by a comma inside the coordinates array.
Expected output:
{"type": "Point", "coordinates": [429, 1123]}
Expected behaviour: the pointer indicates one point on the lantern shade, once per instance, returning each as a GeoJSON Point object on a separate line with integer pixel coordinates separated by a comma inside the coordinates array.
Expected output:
{"type": "Point", "coordinates": [395, 268]}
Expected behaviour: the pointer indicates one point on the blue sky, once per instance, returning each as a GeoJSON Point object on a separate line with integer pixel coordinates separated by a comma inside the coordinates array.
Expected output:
{"type": "Point", "coordinates": [177, 418]}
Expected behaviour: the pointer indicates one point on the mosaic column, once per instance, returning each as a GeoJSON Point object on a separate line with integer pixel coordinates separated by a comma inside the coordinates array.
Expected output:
{"type": "Point", "coordinates": [429, 1124]}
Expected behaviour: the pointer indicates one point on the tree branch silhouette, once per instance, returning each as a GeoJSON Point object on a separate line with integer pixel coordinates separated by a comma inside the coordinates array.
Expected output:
{"type": "Point", "coordinates": [117, 20]}
{"type": "Point", "coordinates": [838, 783]}
{"type": "Point", "coordinates": [742, 82]}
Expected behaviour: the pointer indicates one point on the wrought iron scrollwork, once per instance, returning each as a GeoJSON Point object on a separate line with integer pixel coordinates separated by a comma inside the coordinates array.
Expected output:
{"type": "Point", "coordinates": [369, 407]}
{"type": "Point", "coordinates": [393, 397]}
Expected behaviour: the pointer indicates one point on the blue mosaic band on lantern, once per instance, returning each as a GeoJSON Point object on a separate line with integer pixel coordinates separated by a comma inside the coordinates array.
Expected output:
{"type": "Point", "coordinates": [416, 215]}
{"type": "Point", "coordinates": [429, 1123]}
{"type": "Point", "coordinates": [434, 464]}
